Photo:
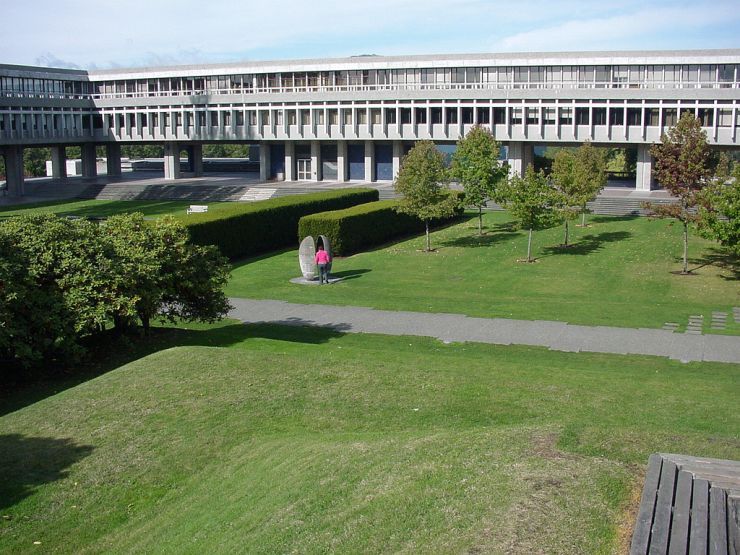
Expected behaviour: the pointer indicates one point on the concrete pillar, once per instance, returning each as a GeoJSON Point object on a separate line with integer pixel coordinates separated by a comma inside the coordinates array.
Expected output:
{"type": "Point", "coordinates": [171, 160]}
{"type": "Point", "coordinates": [397, 155]}
{"type": "Point", "coordinates": [89, 160]}
{"type": "Point", "coordinates": [316, 160]}
{"type": "Point", "coordinates": [195, 153]}
{"type": "Point", "coordinates": [14, 170]}
{"type": "Point", "coordinates": [58, 162]}
{"type": "Point", "coordinates": [644, 181]}
{"type": "Point", "coordinates": [369, 161]}
{"type": "Point", "coordinates": [290, 161]}
{"type": "Point", "coordinates": [264, 161]}
{"type": "Point", "coordinates": [341, 161]}
{"type": "Point", "coordinates": [521, 156]}
{"type": "Point", "coordinates": [113, 159]}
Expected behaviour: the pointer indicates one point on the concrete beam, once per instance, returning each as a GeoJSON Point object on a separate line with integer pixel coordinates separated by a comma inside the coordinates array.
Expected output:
{"type": "Point", "coordinates": [113, 159]}
{"type": "Point", "coordinates": [58, 162]}
{"type": "Point", "coordinates": [265, 161]}
{"type": "Point", "coordinates": [520, 157]}
{"type": "Point", "coordinates": [195, 153]}
{"type": "Point", "coordinates": [644, 174]}
{"type": "Point", "coordinates": [89, 160]}
{"type": "Point", "coordinates": [171, 160]}
{"type": "Point", "coordinates": [290, 161]}
{"type": "Point", "coordinates": [342, 161]}
{"type": "Point", "coordinates": [14, 172]}
{"type": "Point", "coordinates": [316, 161]}
{"type": "Point", "coordinates": [369, 161]}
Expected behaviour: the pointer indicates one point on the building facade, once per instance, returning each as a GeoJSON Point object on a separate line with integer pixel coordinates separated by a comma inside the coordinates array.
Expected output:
{"type": "Point", "coordinates": [354, 118]}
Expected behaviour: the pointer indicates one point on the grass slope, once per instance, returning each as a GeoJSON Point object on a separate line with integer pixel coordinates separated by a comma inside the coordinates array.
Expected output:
{"type": "Point", "coordinates": [617, 273]}
{"type": "Point", "coordinates": [307, 440]}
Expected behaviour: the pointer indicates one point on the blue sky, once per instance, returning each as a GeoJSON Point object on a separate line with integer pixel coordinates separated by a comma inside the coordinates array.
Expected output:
{"type": "Point", "coordinates": [130, 33]}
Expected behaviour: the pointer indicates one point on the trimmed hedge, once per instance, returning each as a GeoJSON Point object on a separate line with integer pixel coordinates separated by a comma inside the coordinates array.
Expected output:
{"type": "Point", "coordinates": [258, 227]}
{"type": "Point", "coordinates": [353, 229]}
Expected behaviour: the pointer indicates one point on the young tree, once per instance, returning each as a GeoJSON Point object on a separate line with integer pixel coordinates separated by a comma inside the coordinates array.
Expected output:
{"type": "Point", "coordinates": [422, 184]}
{"type": "Point", "coordinates": [682, 167]}
{"type": "Point", "coordinates": [564, 179]}
{"type": "Point", "coordinates": [475, 164]}
{"type": "Point", "coordinates": [719, 212]}
{"type": "Point", "coordinates": [532, 201]}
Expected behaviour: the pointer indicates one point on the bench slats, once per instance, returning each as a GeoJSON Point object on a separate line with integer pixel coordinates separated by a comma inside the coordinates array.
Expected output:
{"type": "Point", "coordinates": [717, 522]}
{"type": "Point", "coordinates": [662, 520]}
{"type": "Point", "coordinates": [699, 540]}
{"type": "Point", "coordinates": [681, 510]}
{"type": "Point", "coordinates": [641, 535]}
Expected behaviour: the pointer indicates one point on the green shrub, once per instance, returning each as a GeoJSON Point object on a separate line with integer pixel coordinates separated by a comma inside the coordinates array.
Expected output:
{"type": "Point", "coordinates": [353, 229]}
{"type": "Point", "coordinates": [252, 228]}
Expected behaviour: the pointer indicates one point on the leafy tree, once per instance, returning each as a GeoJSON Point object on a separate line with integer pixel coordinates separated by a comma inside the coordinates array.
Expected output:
{"type": "Point", "coordinates": [720, 207]}
{"type": "Point", "coordinates": [682, 167]}
{"type": "Point", "coordinates": [533, 202]}
{"type": "Point", "coordinates": [160, 273]}
{"type": "Point", "coordinates": [421, 182]}
{"type": "Point", "coordinates": [34, 161]}
{"type": "Point", "coordinates": [579, 176]}
{"type": "Point", "coordinates": [475, 164]}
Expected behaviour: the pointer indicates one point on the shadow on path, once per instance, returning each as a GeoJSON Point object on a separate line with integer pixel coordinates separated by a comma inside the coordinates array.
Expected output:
{"type": "Point", "coordinates": [29, 462]}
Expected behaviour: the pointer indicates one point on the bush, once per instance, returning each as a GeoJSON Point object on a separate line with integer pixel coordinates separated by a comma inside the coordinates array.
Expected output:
{"type": "Point", "coordinates": [353, 229]}
{"type": "Point", "coordinates": [258, 227]}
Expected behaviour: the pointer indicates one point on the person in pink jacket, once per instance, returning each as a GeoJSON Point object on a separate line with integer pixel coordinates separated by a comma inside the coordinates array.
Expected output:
{"type": "Point", "coordinates": [322, 260]}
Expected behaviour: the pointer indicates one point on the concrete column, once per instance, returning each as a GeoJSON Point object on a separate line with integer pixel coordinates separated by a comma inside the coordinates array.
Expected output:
{"type": "Point", "coordinates": [196, 159]}
{"type": "Point", "coordinates": [341, 161]}
{"type": "Point", "coordinates": [369, 161]}
{"type": "Point", "coordinates": [264, 161]}
{"type": "Point", "coordinates": [521, 156]}
{"type": "Point", "coordinates": [58, 162]}
{"type": "Point", "coordinates": [113, 159]}
{"type": "Point", "coordinates": [290, 161]}
{"type": "Point", "coordinates": [171, 160]}
{"type": "Point", "coordinates": [316, 160]}
{"type": "Point", "coordinates": [14, 170]}
{"type": "Point", "coordinates": [397, 155]}
{"type": "Point", "coordinates": [644, 181]}
{"type": "Point", "coordinates": [89, 160]}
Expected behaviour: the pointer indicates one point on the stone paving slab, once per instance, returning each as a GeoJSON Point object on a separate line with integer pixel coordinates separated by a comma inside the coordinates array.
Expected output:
{"type": "Point", "coordinates": [559, 336]}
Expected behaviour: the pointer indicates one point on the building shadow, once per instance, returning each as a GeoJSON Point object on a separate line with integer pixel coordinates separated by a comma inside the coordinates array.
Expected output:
{"type": "Point", "coordinates": [588, 243]}
{"type": "Point", "coordinates": [29, 462]}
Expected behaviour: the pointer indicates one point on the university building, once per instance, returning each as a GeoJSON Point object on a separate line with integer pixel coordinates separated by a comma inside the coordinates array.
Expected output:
{"type": "Point", "coordinates": [354, 118]}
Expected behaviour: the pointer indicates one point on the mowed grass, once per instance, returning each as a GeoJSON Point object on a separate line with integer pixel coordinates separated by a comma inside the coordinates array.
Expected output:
{"type": "Point", "coordinates": [618, 273]}
{"type": "Point", "coordinates": [267, 439]}
{"type": "Point", "coordinates": [105, 208]}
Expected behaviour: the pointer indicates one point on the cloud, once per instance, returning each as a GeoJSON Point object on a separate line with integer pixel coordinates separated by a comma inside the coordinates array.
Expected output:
{"type": "Point", "coordinates": [48, 59]}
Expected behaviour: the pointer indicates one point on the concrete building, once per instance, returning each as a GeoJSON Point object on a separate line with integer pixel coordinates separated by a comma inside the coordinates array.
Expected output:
{"type": "Point", "coordinates": [354, 118]}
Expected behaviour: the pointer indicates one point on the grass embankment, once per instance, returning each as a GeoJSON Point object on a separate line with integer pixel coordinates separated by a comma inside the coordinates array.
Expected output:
{"type": "Point", "coordinates": [106, 208]}
{"type": "Point", "coordinates": [307, 440]}
{"type": "Point", "coordinates": [618, 273]}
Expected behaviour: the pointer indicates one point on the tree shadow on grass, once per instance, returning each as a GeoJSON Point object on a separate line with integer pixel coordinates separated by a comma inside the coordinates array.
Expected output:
{"type": "Point", "coordinates": [29, 462]}
{"type": "Point", "coordinates": [719, 258]}
{"type": "Point", "coordinates": [589, 243]}
{"type": "Point", "coordinates": [112, 352]}
{"type": "Point", "coordinates": [607, 219]}
{"type": "Point", "coordinates": [496, 233]}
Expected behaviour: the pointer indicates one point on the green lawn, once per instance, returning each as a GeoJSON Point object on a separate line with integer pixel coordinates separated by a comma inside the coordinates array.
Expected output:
{"type": "Point", "coordinates": [266, 439]}
{"type": "Point", "coordinates": [618, 273]}
{"type": "Point", "coordinates": [105, 208]}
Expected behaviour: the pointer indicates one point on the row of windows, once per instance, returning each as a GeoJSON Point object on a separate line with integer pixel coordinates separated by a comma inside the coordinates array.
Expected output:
{"type": "Point", "coordinates": [51, 87]}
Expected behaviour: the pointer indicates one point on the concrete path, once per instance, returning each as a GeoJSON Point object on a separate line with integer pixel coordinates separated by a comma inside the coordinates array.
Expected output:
{"type": "Point", "coordinates": [558, 336]}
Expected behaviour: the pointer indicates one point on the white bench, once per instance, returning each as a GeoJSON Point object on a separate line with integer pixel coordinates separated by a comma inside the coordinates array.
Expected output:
{"type": "Point", "coordinates": [197, 209]}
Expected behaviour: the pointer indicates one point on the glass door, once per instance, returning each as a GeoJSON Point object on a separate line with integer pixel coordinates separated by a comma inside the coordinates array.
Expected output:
{"type": "Point", "coordinates": [304, 169]}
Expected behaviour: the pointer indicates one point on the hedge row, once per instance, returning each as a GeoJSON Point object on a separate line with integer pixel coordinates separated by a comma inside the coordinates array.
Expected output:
{"type": "Point", "coordinates": [354, 229]}
{"type": "Point", "coordinates": [248, 229]}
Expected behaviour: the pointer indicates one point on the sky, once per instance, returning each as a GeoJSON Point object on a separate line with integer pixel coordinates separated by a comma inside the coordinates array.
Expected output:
{"type": "Point", "coordinates": [96, 34]}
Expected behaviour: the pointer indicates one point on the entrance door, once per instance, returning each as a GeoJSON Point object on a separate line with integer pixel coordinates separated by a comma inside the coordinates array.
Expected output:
{"type": "Point", "coordinates": [304, 169]}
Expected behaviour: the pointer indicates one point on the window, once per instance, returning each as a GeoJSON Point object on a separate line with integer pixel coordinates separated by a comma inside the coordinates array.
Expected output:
{"type": "Point", "coordinates": [405, 115]}
{"type": "Point", "coordinates": [452, 115]}
{"type": "Point", "coordinates": [652, 117]}
{"type": "Point", "coordinates": [726, 76]}
{"type": "Point", "coordinates": [566, 116]}
{"type": "Point", "coordinates": [499, 116]}
{"type": "Point", "coordinates": [318, 116]}
{"type": "Point", "coordinates": [227, 119]}
{"type": "Point", "coordinates": [599, 115]}
{"type": "Point", "coordinates": [239, 118]}
{"type": "Point", "coordinates": [390, 115]}
{"type": "Point", "coordinates": [467, 115]}
{"type": "Point", "coordinates": [582, 116]}
{"type": "Point", "coordinates": [669, 117]}
{"type": "Point", "coordinates": [515, 116]}
{"type": "Point", "coordinates": [616, 116]}
{"type": "Point", "coordinates": [421, 115]}
{"type": "Point", "coordinates": [549, 115]}
{"type": "Point", "coordinates": [305, 117]}
{"type": "Point", "coordinates": [634, 116]}
{"type": "Point", "coordinates": [375, 116]}
{"type": "Point", "coordinates": [436, 114]}
{"type": "Point", "coordinates": [214, 118]}
{"type": "Point", "coordinates": [533, 116]}
{"type": "Point", "coordinates": [484, 115]}
{"type": "Point", "coordinates": [347, 118]}
{"type": "Point", "coordinates": [706, 116]}
{"type": "Point", "coordinates": [333, 117]}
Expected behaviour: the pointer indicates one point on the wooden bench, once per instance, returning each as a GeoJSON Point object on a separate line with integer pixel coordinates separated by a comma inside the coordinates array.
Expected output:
{"type": "Point", "coordinates": [197, 209]}
{"type": "Point", "coordinates": [689, 505]}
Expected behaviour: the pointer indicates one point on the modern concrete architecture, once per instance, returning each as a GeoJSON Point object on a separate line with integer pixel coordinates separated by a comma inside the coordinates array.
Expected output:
{"type": "Point", "coordinates": [354, 118]}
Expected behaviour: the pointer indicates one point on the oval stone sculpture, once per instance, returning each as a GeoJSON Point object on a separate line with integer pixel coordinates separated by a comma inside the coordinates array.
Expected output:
{"type": "Point", "coordinates": [324, 240]}
{"type": "Point", "coordinates": [307, 257]}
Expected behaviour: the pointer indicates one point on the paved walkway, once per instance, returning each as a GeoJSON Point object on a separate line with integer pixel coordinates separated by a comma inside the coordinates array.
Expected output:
{"type": "Point", "coordinates": [558, 336]}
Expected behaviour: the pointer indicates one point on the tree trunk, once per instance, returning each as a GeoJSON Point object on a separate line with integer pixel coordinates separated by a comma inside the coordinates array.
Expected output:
{"type": "Point", "coordinates": [144, 323]}
{"type": "Point", "coordinates": [529, 246]}
{"type": "Point", "coordinates": [685, 247]}
{"type": "Point", "coordinates": [480, 220]}
{"type": "Point", "coordinates": [429, 244]}
{"type": "Point", "coordinates": [583, 217]}
{"type": "Point", "coordinates": [566, 233]}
